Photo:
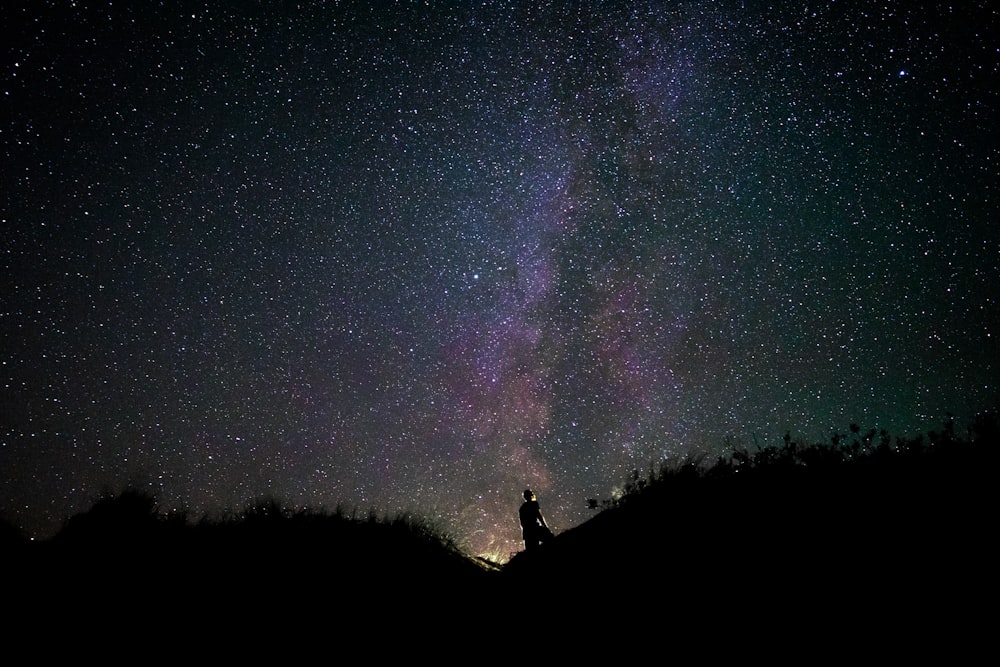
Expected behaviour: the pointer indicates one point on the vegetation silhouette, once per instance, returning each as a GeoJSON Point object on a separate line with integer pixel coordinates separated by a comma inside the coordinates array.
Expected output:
{"type": "Point", "coordinates": [124, 554]}
{"type": "Point", "coordinates": [865, 524]}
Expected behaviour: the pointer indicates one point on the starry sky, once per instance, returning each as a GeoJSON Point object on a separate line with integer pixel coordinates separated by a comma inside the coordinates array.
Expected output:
{"type": "Point", "coordinates": [418, 256]}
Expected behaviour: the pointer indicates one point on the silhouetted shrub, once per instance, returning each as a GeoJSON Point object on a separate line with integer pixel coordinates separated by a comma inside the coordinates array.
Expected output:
{"type": "Point", "coordinates": [130, 516]}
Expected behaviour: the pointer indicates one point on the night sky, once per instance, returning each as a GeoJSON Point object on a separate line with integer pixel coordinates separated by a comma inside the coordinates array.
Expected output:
{"type": "Point", "coordinates": [420, 256]}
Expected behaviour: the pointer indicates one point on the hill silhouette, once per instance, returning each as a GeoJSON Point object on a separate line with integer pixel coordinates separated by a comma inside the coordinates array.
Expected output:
{"type": "Point", "coordinates": [865, 526]}
{"type": "Point", "coordinates": [889, 532]}
{"type": "Point", "coordinates": [266, 555]}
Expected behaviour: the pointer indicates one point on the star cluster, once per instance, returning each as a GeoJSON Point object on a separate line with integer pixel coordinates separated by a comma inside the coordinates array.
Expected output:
{"type": "Point", "coordinates": [420, 256]}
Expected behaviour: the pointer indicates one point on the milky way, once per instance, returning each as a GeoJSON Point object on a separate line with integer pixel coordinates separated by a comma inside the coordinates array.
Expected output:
{"type": "Point", "coordinates": [420, 256]}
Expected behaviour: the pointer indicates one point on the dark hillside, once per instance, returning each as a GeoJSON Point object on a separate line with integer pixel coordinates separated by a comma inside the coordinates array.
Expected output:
{"type": "Point", "coordinates": [863, 525]}
{"type": "Point", "coordinates": [864, 529]}
{"type": "Point", "coordinates": [123, 556]}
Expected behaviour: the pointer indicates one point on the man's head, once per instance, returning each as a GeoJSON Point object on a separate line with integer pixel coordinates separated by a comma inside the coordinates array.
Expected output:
{"type": "Point", "coordinates": [529, 494]}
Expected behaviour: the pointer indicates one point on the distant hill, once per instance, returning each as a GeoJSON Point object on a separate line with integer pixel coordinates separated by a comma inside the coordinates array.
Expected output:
{"type": "Point", "coordinates": [268, 560]}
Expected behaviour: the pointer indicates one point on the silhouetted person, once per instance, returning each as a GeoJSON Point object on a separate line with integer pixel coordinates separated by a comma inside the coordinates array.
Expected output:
{"type": "Point", "coordinates": [533, 527]}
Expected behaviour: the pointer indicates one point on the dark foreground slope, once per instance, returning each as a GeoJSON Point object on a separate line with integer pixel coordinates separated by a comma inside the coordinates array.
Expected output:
{"type": "Point", "coordinates": [864, 530]}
